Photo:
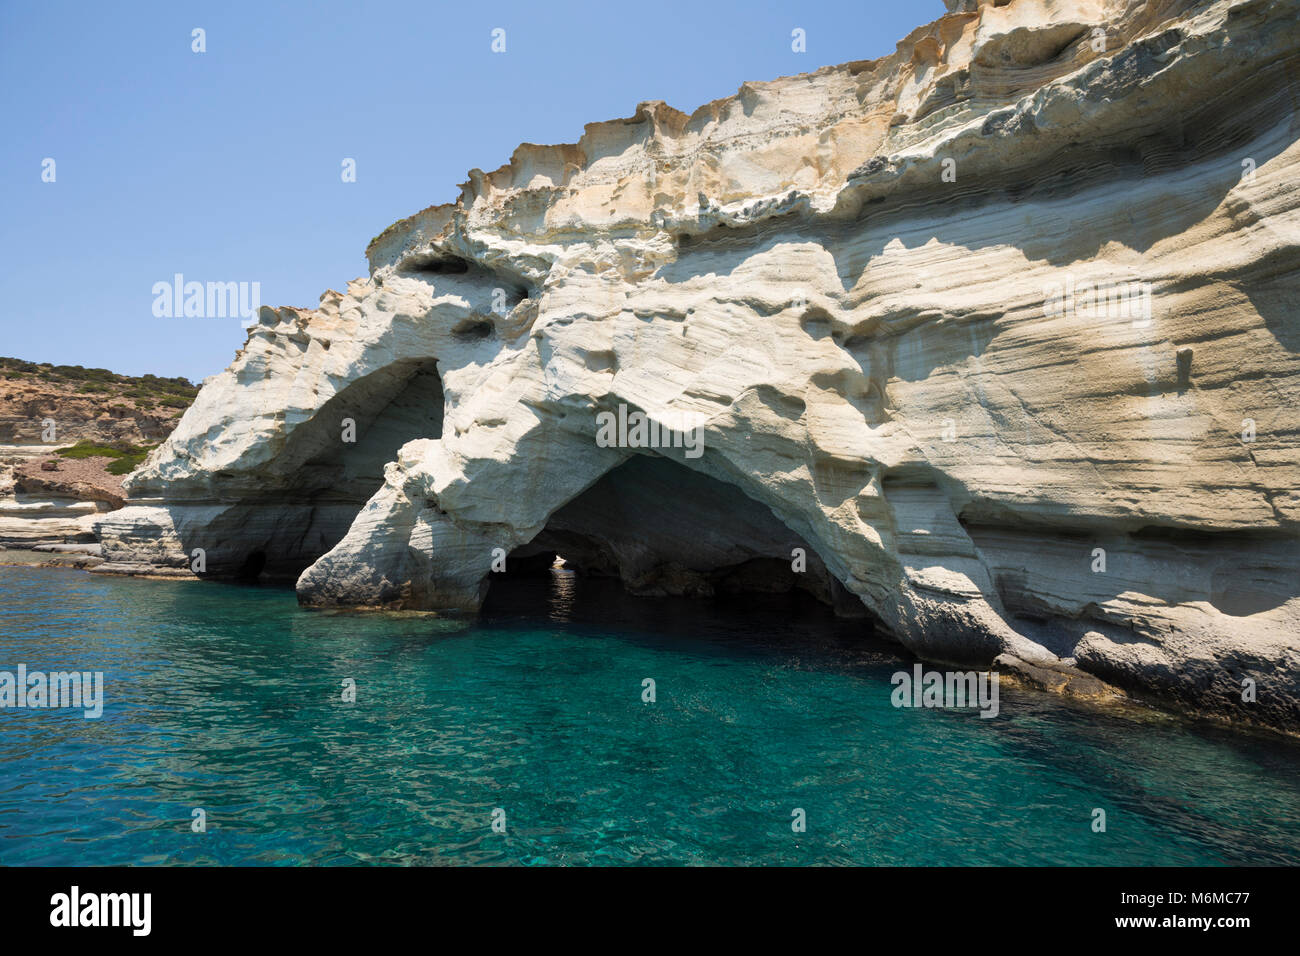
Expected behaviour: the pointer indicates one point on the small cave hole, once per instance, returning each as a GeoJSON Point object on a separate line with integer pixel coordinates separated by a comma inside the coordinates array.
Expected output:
{"type": "Point", "coordinates": [474, 329]}
{"type": "Point", "coordinates": [252, 567]}
{"type": "Point", "coordinates": [444, 265]}
{"type": "Point", "coordinates": [817, 322]}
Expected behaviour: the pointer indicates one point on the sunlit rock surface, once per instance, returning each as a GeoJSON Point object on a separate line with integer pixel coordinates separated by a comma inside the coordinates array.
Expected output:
{"type": "Point", "coordinates": [999, 330]}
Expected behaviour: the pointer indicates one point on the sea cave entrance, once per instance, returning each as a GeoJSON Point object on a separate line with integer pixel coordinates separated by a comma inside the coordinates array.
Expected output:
{"type": "Point", "coordinates": [329, 467]}
{"type": "Point", "coordinates": [653, 527]}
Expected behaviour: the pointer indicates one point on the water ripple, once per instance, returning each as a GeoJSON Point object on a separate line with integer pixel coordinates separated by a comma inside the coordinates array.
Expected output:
{"type": "Point", "coordinates": [229, 699]}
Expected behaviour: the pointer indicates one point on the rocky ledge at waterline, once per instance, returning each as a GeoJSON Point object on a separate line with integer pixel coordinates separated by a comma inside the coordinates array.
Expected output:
{"type": "Point", "coordinates": [992, 342]}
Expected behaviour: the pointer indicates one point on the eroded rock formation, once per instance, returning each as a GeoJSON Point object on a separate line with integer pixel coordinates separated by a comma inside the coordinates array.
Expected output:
{"type": "Point", "coordinates": [35, 512]}
{"type": "Point", "coordinates": [1001, 329]}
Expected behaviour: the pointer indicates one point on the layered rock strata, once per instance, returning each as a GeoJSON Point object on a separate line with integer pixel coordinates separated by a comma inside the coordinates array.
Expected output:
{"type": "Point", "coordinates": [999, 331]}
{"type": "Point", "coordinates": [34, 512]}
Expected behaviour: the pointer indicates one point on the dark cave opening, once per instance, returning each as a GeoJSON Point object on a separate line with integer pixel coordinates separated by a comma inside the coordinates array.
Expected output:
{"type": "Point", "coordinates": [654, 528]}
{"type": "Point", "coordinates": [252, 567]}
{"type": "Point", "coordinates": [329, 468]}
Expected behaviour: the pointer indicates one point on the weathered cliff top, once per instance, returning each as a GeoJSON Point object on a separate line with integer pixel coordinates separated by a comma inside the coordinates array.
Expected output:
{"type": "Point", "coordinates": [997, 89]}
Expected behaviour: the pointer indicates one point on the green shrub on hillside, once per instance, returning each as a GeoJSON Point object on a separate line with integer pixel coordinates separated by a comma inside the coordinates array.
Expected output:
{"type": "Point", "coordinates": [126, 457]}
{"type": "Point", "coordinates": [89, 449]}
{"type": "Point", "coordinates": [126, 464]}
{"type": "Point", "coordinates": [147, 391]}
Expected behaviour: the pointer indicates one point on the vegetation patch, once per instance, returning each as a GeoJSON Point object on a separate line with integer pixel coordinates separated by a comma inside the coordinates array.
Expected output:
{"type": "Point", "coordinates": [126, 457]}
{"type": "Point", "coordinates": [146, 391]}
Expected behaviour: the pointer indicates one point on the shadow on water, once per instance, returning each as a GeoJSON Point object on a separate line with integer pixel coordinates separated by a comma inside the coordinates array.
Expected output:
{"type": "Point", "coordinates": [749, 625]}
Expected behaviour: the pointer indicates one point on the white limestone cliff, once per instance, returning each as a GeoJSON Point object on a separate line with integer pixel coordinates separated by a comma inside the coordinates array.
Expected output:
{"type": "Point", "coordinates": [896, 293]}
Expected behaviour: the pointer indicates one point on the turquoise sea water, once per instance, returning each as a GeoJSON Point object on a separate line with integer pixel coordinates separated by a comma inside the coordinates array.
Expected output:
{"type": "Point", "coordinates": [229, 699]}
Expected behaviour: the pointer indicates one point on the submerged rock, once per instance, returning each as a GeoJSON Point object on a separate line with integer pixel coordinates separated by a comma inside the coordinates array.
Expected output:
{"type": "Point", "coordinates": [933, 315]}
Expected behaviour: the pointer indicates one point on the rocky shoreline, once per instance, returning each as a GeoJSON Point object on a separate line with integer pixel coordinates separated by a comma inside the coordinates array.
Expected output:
{"type": "Point", "coordinates": [79, 556]}
{"type": "Point", "coordinates": [48, 497]}
{"type": "Point", "coordinates": [993, 343]}
{"type": "Point", "coordinates": [51, 514]}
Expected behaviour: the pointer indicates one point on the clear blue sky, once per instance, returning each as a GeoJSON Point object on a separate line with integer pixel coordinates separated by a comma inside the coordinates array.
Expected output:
{"type": "Point", "coordinates": [225, 165]}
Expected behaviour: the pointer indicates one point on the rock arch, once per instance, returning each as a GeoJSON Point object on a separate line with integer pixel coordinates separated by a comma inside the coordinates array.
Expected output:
{"type": "Point", "coordinates": [267, 520]}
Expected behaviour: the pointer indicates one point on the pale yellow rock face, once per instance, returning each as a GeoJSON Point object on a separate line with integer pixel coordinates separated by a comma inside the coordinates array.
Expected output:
{"type": "Point", "coordinates": [1002, 329]}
